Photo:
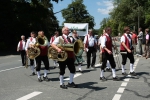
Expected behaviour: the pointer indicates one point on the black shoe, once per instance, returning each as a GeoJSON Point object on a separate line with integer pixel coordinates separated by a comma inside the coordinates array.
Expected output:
{"type": "Point", "coordinates": [108, 69]}
{"type": "Point", "coordinates": [133, 73]}
{"type": "Point", "coordinates": [40, 80]}
{"type": "Point", "coordinates": [103, 78]}
{"type": "Point", "coordinates": [125, 74]}
{"type": "Point", "coordinates": [116, 78]}
{"type": "Point", "coordinates": [33, 74]}
{"type": "Point", "coordinates": [87, 67]}
{"type": "Point", "coordinates": [73, 85]}
{"type": "Point", "coordinates": [63, 86]}
{"type": "Point", "coordinates": [45, 78]}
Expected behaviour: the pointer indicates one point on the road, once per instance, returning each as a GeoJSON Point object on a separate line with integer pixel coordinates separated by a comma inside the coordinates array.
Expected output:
{"type": "Point", "coordinates": [17, 84]}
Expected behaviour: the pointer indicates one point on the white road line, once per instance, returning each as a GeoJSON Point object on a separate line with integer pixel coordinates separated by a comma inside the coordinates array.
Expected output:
{"type": "Point", "coordinates": [10, 69]}
{"type": "Point", "coordinates": [117, 97]}
{"type": "Point", "coordinates": [124, 84]}
{"type": "Point", "coordinates": [76, 75]}
{"type": "Point", "coordinates": [126, 80]}
{"type": "Point", "coordinates": [120, 90]}
{"type": "Point", "coordinates": [29, 96]}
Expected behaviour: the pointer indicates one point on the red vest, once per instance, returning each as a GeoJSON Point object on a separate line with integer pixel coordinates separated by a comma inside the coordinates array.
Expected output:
{"type": "Point", "coordinates": [21, 45]}
{"type": "Point", "coordinates": [122, 48]}
{"type": "Point", "coordinates": [70, 53]}
{"type": "Point", "coordinates": [108, 44]}
{"type": "Point", "coordinates": [53, 39]}
{"type": "Point", "coordinates": [43, 50]}
{"type": "Point", "coordinates": [87, 42]}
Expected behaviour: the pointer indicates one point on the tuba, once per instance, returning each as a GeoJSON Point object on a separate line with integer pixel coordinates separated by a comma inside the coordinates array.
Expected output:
{"type": "Point", "coordinates": [75, 47]}
{"type": "Point", "coordinates": [34, 50]}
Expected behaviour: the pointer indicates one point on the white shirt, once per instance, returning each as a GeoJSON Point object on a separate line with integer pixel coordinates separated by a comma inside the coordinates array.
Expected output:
{"type": "Point", "coordinates": [123, 38]}
{"type": "Point", "coordinates": [103, 40]}
{"type": "Point", "coordinates": [71, 38]}
{"type": "Point", "coordinates": [57, 40]}
{"type": "Point", "coordinates": [99, 40]}
{"type": "Point", "coordinates": [29, 42]}
{"type": "Point", "coordinates": [23, 43]}
{"type": "Point", "coordinates": [91, 40]}
{"type": "Point", "coordinates": [140, 36]}
{"type": "Point", "coordinates": [53, 40]}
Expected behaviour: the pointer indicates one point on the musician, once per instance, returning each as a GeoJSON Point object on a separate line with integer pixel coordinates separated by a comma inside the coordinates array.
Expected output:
{"type": "Point", "coordinates": [90, 47]}
{"type": "Point", "coordinates": [107, 54]}
{"type": "Point", "coordinates": [21, 49]}
{"type": "Point", "coordinates": [69, 61]}
{"type": "Point", "coordinates": [79, 60]}
{"type": "Point", "coordinates": [42, 57]}
{"type": "Point", "coordinates": [108, 69]}
{"type": "Point", "coordinates": [31, 41]}
{"type": "Point", "coordinates": [126, 46]}
{"type": "Point", "coordinates": [51, 41]}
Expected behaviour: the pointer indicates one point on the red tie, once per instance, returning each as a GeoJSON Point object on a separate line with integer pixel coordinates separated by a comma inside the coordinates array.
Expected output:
{"type": "Point", "coordinates": [21, 45]}
{"type": "Point", "coordinates": [31, 39]}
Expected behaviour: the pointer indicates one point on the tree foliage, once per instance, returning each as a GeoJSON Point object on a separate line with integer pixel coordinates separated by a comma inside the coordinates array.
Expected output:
{"type": "Point", "coordinates": [20, 17]}
{"type": "Point", "coordinates": [126, 12]}
{"type": "Point", "coordinates": [76, 13]}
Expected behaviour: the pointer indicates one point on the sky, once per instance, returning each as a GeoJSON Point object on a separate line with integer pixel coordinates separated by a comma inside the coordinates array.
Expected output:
{"type": "Point", "coordinates": [99, 9]}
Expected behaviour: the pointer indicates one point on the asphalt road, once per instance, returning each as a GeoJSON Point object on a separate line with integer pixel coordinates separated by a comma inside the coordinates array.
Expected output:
{"type": "Point", "coordinates": [17, 84]}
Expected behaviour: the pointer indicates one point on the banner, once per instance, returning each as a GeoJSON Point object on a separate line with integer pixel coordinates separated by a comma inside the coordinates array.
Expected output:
{"type": "Point", "coordinates": [81, 28]}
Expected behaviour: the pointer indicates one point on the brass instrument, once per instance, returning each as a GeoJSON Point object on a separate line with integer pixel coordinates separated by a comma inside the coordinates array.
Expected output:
{"type": "Point", "coordinates": [34, 50]}
{"type": "Point", "coordinates": [26, 65]}
{"type": "Point", "coordinates": [53, 54]}
{"type": "Point", "coordinates": [81, 48]}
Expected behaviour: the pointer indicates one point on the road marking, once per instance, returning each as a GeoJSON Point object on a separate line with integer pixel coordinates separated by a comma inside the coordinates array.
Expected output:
{"type": "Point", "coordinates": [120, 90]}
{"type": "Point", "coordinates": [29, 96]}
{"type": "Point", "coordinates": [9, 56]}
{"type": "Point", "coordinates": [127, 79]}
{"type": "Point", "coordinates": [124, 84]}
{"type": "Point", "coordinates": [76, 75]}
{"type": "Point", "coordinates": [10, 69]}
{"type": "Point", "coordinates": [117, 97]}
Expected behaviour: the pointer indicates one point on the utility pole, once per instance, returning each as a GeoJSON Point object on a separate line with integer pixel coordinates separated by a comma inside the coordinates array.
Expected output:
{"type": "Point", "coordinates": [138, 14]}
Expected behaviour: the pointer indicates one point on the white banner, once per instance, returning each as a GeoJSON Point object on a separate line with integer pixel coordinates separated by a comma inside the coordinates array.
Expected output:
{"type": "Point", "coordinates": [81, 28]}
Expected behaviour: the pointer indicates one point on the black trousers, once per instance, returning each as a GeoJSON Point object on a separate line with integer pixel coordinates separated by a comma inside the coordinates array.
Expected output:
{"type": "Point", "coordinates": [70, 64]}
{"type": "Point", "coordinates": [45, 61]}
{"type": "Point", "coordinates": [128, 55]}
{"type": "Point", "coordinates": [92, 51]}
{"type": "Point", "coordinates": [105, 57]}
{"type": "Point", "coordinates": [31, 62]}
{"type": "Point", "coordinates": [23, 56]}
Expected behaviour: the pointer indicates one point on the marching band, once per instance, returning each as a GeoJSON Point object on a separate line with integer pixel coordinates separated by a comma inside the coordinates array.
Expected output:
{"type": "Point", "coordinates": [57, 42]}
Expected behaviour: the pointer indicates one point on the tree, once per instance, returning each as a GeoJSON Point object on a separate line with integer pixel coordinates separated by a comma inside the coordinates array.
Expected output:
{"type": "Point", "coordinates": [20, 17]}
{"type": "Point", "coordinates": [76, 13]}
{"type": "Point", "coordinates": [126, 12]}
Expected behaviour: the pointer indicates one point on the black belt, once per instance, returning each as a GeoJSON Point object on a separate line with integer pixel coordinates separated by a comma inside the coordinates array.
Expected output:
{"type": "Point", "coordinates": [91, 47]}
